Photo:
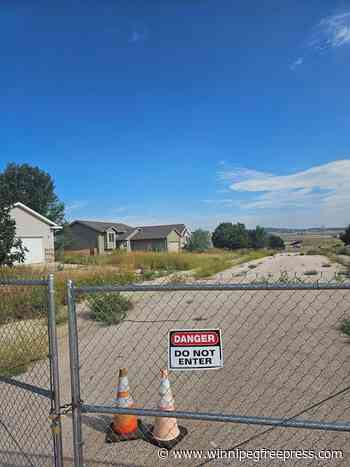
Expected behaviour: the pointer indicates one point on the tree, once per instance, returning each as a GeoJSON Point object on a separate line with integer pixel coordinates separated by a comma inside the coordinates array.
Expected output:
{"type": "Point", "coordinates": [199, 241]}
{"type": "Point", "coordinates": [257, 237]}
{"type": "Point", "coordinates": [11, 248]}
{"type": "Point", "coordinates": [231, 236]}
{"type": "Point", "coordinates": [239, 237]}
{"type": "Point", "coordinates": [32, 187]}
{"type": "Point", "coordinates": [63, 239]}
{"type": "Point", "coordinates": [221, 235]}
{"type": "Point", "coordinates": [345, 237]}
{"type": "Point", "coordinates": [274, 241]}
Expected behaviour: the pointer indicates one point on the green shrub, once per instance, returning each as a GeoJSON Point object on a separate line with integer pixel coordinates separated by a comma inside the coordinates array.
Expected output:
{"type": "Point", "coordinates": [345, 327]}
{"type": "Point", "coordinates": [109, 308]}
{"type": "Point", "coordinates": [149, 275]}
{"type": "Point", "coordinates": [274, 241]}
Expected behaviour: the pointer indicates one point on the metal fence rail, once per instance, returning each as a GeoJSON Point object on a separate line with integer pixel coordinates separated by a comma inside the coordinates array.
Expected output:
{"type": "Point", "coordinates": [29, 384]}
{"type": "Point", "coordinates": [285, 365]}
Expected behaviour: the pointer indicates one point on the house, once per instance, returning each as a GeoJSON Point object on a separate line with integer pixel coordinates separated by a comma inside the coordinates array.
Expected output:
{"type": "Point", "coordinates": [155, 238]}
{"type": "Point", "coordinates": [97, 238]}
{"type": "Point", "coordinates": [36, 233]}
{"type": "Point", "coordinates": [94, 237]}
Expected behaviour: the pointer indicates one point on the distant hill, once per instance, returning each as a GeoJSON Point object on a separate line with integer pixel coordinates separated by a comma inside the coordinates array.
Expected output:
{"type": "Point", "coordinates": [326, 231]}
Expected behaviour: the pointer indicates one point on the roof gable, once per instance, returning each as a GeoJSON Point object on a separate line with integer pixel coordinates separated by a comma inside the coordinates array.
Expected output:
{"type": "Point", "coordinates": [33, 213]}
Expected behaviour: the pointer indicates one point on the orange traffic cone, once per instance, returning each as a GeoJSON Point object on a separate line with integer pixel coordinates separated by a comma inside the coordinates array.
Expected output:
{"type": "Point", "coordinates": [166, 433]}
{"type": "Point", "coordinates": [123, 427]}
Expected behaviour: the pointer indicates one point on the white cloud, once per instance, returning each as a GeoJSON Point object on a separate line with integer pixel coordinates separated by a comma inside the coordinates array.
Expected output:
{"type": "Point", "coordinates": [332, 31]}
{"type": "Point", "coordinates": [321, 192]}
{"type": "Point", "coordinates": [299, 61]}
{"type": "Point", "coordinates": [222, 202]}
{"type": "Point", "coordinates": [239, 173]}
{"type": "Point", "coordinates": [137, 36]}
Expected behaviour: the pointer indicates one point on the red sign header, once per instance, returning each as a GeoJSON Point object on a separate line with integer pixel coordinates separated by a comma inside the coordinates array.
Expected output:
{"type": "Point", "coordinates": [194, 338]}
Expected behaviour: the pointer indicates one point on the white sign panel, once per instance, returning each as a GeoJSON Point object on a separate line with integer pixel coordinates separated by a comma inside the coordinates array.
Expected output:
{"type": "Point", "coordinates": [195, 349]}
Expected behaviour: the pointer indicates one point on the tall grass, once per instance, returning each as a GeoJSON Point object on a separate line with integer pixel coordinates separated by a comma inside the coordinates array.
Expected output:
{"type": "Point", "coordinates": [118, 268]}
{"type": "Point", "coordinates": [141, 260]}
{"type": "Point", "coordinates": [214, 260]}
{"type": "Point", "coordinates": [21, 344]}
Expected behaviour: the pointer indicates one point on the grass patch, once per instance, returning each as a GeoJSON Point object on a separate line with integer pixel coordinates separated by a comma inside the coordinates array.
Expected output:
{"type": "Point", "coordinates": [109, 308]}
{"type": "Point", "coordinates": [215, 264]}
{"type": "Point", "coordinates": [21, 344]}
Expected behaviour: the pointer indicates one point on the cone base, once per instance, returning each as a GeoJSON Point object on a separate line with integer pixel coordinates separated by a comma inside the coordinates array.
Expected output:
{"type": "Point", "coordinates": [148, 436]}
{"type": "Point", "coordinates": [113, 437]}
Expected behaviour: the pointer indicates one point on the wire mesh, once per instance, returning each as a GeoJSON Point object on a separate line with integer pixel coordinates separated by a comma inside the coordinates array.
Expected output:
{"type": "Point", "coordinates": [24, 374]}
{"type": "Point", "coordinates": [284, 355]}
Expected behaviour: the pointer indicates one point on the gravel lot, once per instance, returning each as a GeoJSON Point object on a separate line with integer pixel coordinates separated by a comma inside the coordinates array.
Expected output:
{"type": "Point", "coordinates": [282, 353]}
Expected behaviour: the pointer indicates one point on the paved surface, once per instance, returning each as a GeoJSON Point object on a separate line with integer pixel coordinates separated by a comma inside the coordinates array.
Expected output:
{"type": "Point", "coordinates": [282, 353]}
{"type": "Point", "coordinates": [282, 265]}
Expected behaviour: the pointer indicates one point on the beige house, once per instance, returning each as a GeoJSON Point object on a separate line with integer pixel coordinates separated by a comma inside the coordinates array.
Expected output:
{"type": "Point", "coordinates": [36, 233]}
{"type": "Point", "coordinates": [95, 237]}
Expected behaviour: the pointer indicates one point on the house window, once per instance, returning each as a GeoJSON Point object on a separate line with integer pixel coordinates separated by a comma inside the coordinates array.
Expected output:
{"type": "Point", "coordinates": [111, 238]}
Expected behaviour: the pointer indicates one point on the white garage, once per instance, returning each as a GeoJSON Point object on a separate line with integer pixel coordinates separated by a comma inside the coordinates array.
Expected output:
{"type": "Point", "coordinates": [35, 250]}
{"type": "Point", "coordinates": [36, 233]}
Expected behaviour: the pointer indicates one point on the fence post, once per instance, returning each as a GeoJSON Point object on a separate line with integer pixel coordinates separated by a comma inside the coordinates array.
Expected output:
{"type": "Point", "coordinates": [75, 376]}
{"type": "Point", "coordinates": [54, 369]}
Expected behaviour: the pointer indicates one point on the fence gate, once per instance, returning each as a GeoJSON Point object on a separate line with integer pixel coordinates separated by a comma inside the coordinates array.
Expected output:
{"type": "Point", "coordinates": [284, 385]}
{"type": "Point", "coordinates": [30, 427]}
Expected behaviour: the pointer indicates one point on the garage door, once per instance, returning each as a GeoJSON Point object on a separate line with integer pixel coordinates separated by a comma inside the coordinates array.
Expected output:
{"type": "Point", "coordinates": [173, 246]}
{"type": "Point", "coordinates": [35, 253]}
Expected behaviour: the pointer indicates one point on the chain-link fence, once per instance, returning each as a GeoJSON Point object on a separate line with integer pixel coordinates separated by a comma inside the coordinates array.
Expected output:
{"type": "Point", "coordinates": [285, 380]}
{"type": "Point", "coordinates": [28, 374]}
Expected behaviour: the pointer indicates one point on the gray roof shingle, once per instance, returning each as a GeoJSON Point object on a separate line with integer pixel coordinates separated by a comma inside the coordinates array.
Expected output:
{"type": "Point", "coordinates": [147, 232]}
{"type": "Point", "coordinates": [102, 226]}
{"type": "Point", "coordinates": [154, 232]}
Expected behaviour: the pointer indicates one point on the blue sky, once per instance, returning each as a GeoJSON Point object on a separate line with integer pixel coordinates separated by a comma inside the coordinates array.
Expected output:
{"type": "Point", "coordinates": [182, 111]}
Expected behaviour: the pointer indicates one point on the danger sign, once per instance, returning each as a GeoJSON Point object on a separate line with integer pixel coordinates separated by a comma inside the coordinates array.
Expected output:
{"type": "Point", "coordinates": [195, 349]}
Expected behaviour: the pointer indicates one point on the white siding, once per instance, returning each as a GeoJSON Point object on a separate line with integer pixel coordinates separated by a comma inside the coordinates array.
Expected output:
{"type": "Point", "coordinates": [35, 253]}
{"type": "Point", "coordinates": [29, 226]}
